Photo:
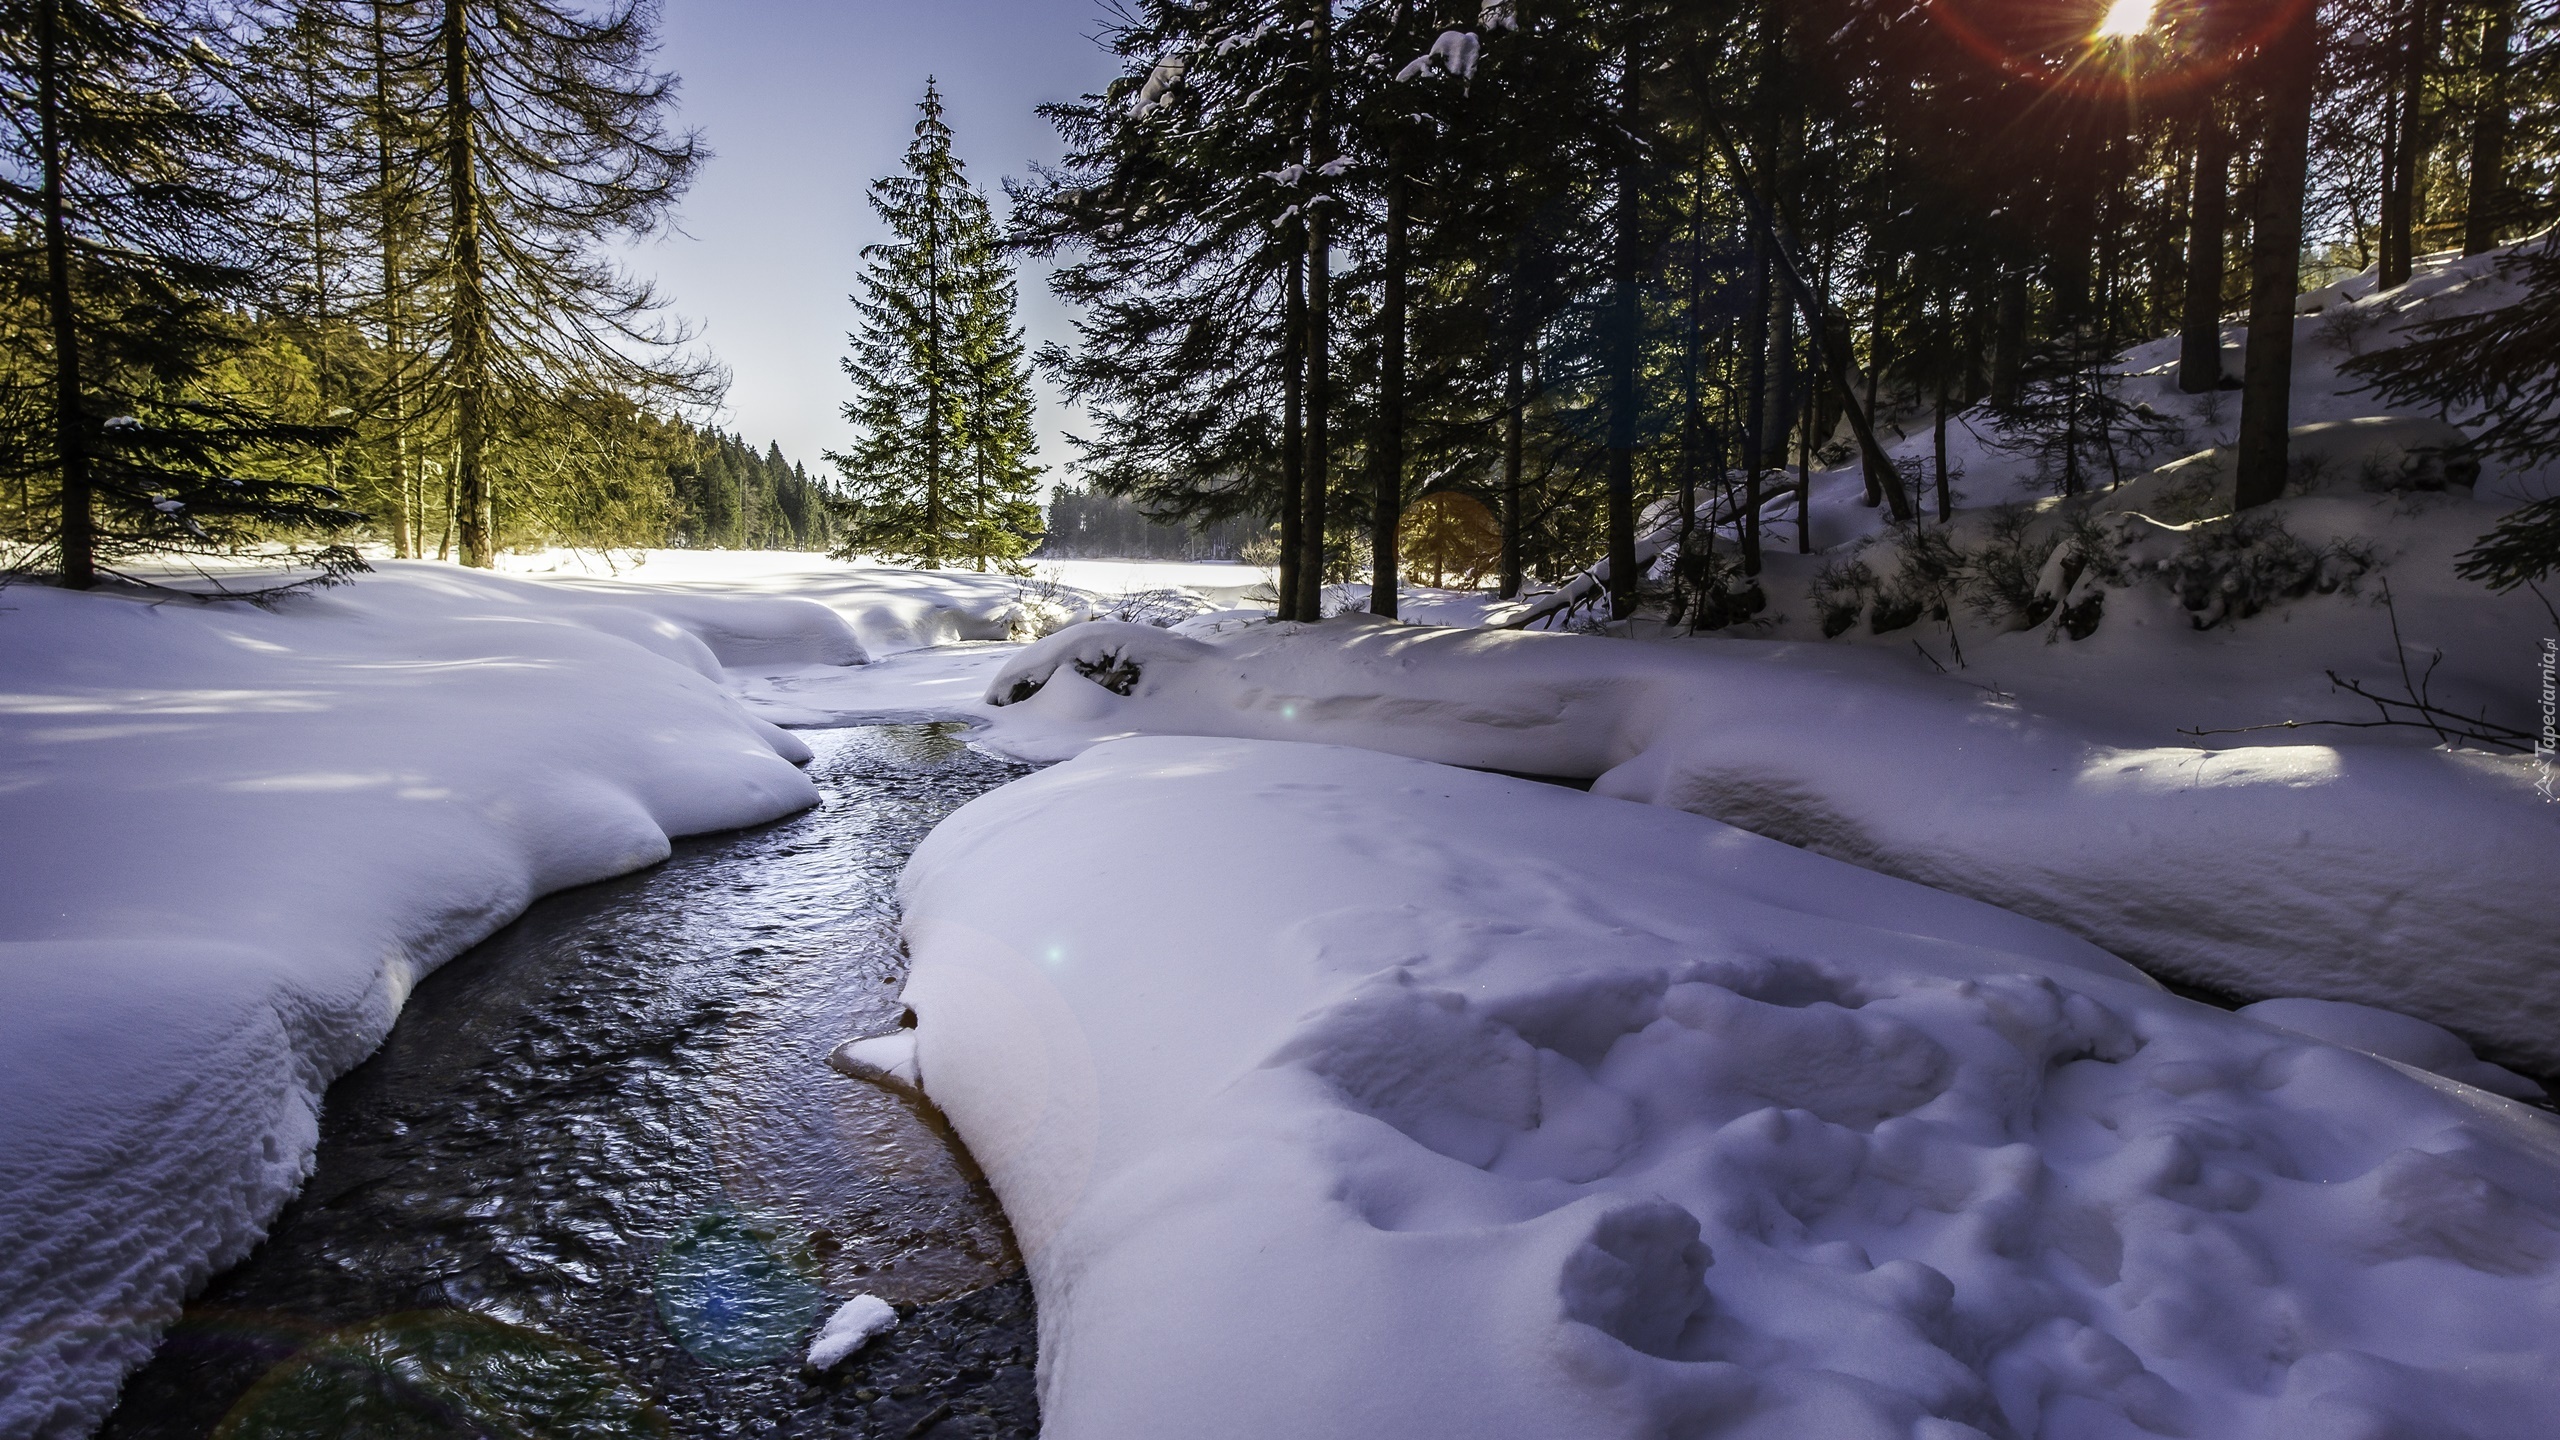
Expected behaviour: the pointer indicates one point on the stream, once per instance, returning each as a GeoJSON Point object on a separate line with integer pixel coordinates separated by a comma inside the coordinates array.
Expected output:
{"type": "Point", "coordinates": [600, 1181]}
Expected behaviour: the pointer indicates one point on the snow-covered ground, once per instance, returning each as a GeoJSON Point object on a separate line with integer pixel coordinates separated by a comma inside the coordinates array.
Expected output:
{"type": "Point", "coordinates": [2422, 880]}
{"type": "Point", "coordinates": [1467, 1106]}
{"type": "Point", "coordinates": [234, 838]}
{"type": "Point", "coordinates": [1334, 1091]}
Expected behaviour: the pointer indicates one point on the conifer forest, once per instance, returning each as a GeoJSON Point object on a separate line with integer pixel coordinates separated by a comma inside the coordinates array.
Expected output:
{"type": "Point", "coordinates": [316, 273]}
{"type": "Point", "coordinates": [1577, 258]}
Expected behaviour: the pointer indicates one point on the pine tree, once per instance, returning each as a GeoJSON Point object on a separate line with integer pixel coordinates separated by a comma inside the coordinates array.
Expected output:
{"type": "Point", "coordinates": [135, 213]}
{"type": "Point", "coordinates": [544, 138]}
{"type": "Point", "coordinates": [941, 471]}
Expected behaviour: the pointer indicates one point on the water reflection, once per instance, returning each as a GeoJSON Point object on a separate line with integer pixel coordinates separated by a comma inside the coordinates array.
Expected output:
{"type": "Point", "coordinates": [442, 1374]}
{"type": "Point", "coordinates": [613, 1127]}
{"type": "Point", "coordinates": [736, 1293]}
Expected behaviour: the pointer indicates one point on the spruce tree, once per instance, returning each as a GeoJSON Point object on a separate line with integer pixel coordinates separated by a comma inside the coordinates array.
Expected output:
{"type": "Point", "coordinates": [941, 471]}
{"type": "Point", "coordinates": [130, 179]}
{"type": "Point", "coordinates": [543, 138]}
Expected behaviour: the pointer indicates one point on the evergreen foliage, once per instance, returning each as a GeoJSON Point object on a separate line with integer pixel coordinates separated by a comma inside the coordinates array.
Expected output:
{"type": "Point", "coordinates": [941, 471]}
{"type": "Point", "coordinates": [338, 266]}
{"type": "Point", "coordinates": [1581, 256]}
{"type": "Point", "coordinates": [138, 410]}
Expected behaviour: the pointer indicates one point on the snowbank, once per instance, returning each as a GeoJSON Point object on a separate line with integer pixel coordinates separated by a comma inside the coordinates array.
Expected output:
{"type": "Point", "coordinates": [1491, 1109]}
{"type": "Point", "coordinates": [234, 840]}
{"type": "Point", "coordinates": [2421, 881]}
{"type": "Point", "coordinates": [883, 609]}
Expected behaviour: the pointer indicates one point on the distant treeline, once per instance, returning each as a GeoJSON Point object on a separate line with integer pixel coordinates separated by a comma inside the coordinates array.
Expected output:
{"type": "Point", "coordinates": [725, 496]}
{"type": "Point", "coordinates": [1089, 523]}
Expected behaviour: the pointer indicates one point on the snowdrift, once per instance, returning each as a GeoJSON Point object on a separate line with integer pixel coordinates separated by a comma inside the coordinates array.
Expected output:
{"type": "Point", "coordinates": [1490, 1109]}
{"type": "Point", "coordinates": [234, 839]}
{"type": "Point", "coordinates": [2421, 881]}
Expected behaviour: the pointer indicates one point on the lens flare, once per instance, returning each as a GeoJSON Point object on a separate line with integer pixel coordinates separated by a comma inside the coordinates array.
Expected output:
{"type": "Point", "coordinates": [2125, 19]}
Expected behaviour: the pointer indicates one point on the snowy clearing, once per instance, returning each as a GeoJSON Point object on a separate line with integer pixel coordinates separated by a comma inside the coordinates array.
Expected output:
{"type": "Point", "coordinates": [1492, 1109]}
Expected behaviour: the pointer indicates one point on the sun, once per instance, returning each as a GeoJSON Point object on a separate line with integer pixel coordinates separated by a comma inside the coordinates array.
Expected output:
{"type": "Point", "coordinates": [2125, 19]}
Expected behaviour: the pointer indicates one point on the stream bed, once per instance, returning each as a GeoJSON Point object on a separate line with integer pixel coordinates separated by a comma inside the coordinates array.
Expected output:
{"type": "Point", "coordinates": [600, 1180]}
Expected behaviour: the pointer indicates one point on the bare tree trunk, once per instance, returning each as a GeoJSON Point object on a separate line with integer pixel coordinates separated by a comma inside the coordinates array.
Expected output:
{"type": "Point", "coordinates": [1755, 385]}
{"type": "Point", "coordinates": [2400, 192]}
{"type": "Point", "coordinates": [2009, 337]}
{"type": "Point", "coordinates": [2289, 71]}
{"type": "Point", "coordinates": [409, 529]}
{"type": "Point", "coordinates": [1386, 516]}
{"type": "Point", "coordinates": [1624, 318]}
{"type": "Point", "coordinates": [470, 302]}
{"type": "Point", "coordinates": [1692, 359]}
{"type": "Point", "coordinates": [79, 536]}
{"type": "Point", "coordinates": [1513, 403]}
{"type": "Point", "coordinates": [1319, 329]}
{"type": "Point", "coordinates": [1293, 430]}
{"type": "Point", "coordinates": [2208, 221]}
{"type": "Point", "coordinates": [2487, 206]}
{"type": "Point", "coordinates": [1833, 344]}
{"type": "Point", "coordinates": [1945, 366]}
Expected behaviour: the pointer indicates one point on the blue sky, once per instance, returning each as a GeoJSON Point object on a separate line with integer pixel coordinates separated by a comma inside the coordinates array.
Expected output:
{"type": "Point", "coordinates": [805, 103]}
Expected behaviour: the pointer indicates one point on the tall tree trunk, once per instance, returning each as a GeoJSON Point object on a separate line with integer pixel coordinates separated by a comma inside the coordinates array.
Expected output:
{"type": "Point", "coordinates": [1293, 430]}
{"type": "Point", "coordinates": [408, 530]}
{"type": "Point", "coordinates": [2009, 337]}
{"type": "Point", "coordinates": [932, 379]}
{"type": "Point", "coordinates": [2075, 213]}
{"type": "Point", "coordinates": [1944, 365]}
{"type": "Point", "coordinates": [1755, 387]}
{"type": "Point", "coordinates": [1692, 360]}
{"type": "Point", "coordinates": [2208, 221]}
{"type": "Point", "coordinates": [2486, 208]}
{"type": "Point", "coordinates": [1387, 449]}
{"type": "Point", "coordinates": [1832, 342]}
{"type": "Point", "coordinates": [2400, 193]}
{"type": "Point", "coordinates": [471, 340]}
{"type": "Point", "coordinates": [79, 536]}
{"type": "Point", "coordinates": [1513, 444]}
{"type": "Point", "coordinates": [1624, 318]}
{"type": "Point", "coordinates": [1319, 329]}
{"type": "Point", "coordinates": [2289, 70]}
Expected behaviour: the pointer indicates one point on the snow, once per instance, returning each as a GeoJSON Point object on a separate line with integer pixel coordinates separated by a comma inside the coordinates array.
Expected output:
{"type": "Point", "coordinates": [1335, 1091]}
{"type": "Point", "coordinates": [1479, 1107]}
{"type": "Point", "coordinates": [2422, 881]}
{"type": "Point", "coordinates": [850, 1328]}
{"type": "Point", "coordinates": [1453, 52]}
{"type": "Point", "coordinates": [235, 838]}
{"type": "Point", "coordinates": [2395, 1037]}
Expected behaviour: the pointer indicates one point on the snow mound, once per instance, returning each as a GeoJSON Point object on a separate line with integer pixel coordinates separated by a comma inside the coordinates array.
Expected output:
{"type": "Point", "coordinates": [2422, 881]}
{"type": "Point", "coordinates": [2402, 1038]}
{"type": "Point", "coordinates": [850, 1328]}
{"type": "Point", "coordinates": [236, 838]}
{"type": "Point", "coordinates": [1412, 1136]}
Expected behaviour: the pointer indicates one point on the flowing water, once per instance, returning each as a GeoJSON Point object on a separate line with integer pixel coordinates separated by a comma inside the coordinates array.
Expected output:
{"type": "Point", "coordinates": [600, 1180]}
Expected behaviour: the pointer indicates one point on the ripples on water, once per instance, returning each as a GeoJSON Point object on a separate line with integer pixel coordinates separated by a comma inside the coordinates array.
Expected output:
{"type": "Point", "coordinates": [601, 1182]}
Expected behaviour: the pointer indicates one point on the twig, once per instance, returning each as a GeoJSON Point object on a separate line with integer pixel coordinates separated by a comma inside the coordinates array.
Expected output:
{"type": "Point", "coordinates": [2400, 651]}
{"type": "Point", "coordinates": [2469, 727]}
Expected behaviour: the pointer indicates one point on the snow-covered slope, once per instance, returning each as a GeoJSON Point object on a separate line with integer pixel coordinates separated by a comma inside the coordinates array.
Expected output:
{"type": "Point", "coordinates": [1464, 1106]}
{"type": "Point", "coordinates": [233, 839]}
{"type": "Point", "coordinates": [2422, 881]}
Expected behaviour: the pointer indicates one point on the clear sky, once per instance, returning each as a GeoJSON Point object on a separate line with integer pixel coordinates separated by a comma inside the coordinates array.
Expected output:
{"type": "Point", "coordinates": [805, 102]}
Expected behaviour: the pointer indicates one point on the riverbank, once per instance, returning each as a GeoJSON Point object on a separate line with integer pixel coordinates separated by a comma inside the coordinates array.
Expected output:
{"type": "Point", "coordinates": [237, 837]}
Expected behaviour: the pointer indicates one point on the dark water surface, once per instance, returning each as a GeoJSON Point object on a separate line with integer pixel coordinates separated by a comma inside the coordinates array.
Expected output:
{"type": "Point", "coordinates": [600, 1180]}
